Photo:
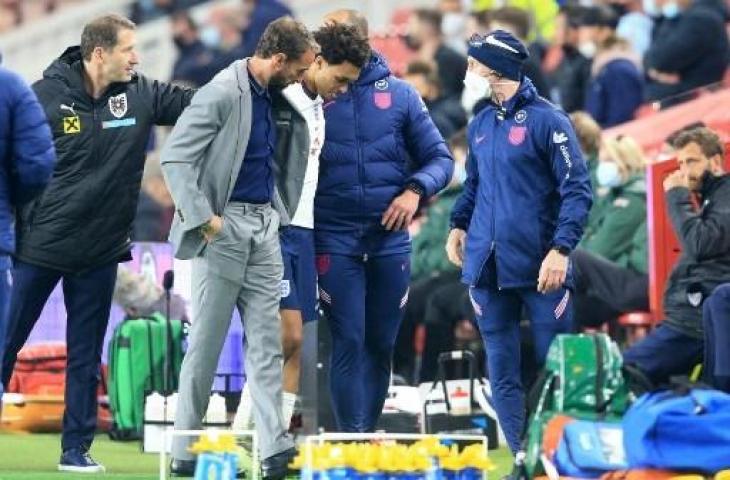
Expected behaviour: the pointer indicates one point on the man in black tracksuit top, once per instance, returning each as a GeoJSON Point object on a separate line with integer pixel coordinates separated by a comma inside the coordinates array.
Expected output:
{"type": "Point", "coordinates": [101, 114]}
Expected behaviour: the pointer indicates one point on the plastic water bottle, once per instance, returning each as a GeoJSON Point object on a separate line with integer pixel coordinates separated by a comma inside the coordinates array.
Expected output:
{"type": "Point", "coordinates": [171, 408]}
{"type": "Point", "coordinates": [154, 408]}
{"type": "Point", "coordinates": [154, 415]}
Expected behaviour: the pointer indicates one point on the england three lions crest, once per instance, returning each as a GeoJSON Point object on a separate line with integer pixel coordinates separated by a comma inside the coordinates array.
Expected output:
{"type": "Point", "coordinates": [118, 105]}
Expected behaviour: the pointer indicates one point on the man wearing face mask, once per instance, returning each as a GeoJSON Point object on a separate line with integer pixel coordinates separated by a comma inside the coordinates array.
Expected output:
{"type": "Point", "coordinates": [689, 49]}
{"type": "Point", "coordinates": [524, 163]}
{"type": "Point", "coordinates": [616, 87]}
{"type": "Point", "coordinates": [219, 165]}
{"type": "Point", "coordinates": [611, 264]}
{"type": "Point", "coordinates": [570, 78]}
{"type": "Point", "coordinates": [634, 25]}
{"type": "Point", "coordinates": [676, 345]}
{"type": "Point", "coordinates": [453, 23]}
{"type": "Point", "coordinates": [196, 63]}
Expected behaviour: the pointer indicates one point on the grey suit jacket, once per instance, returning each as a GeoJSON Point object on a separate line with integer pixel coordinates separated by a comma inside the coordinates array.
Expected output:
{"type": "Point", "coordinates": [203, 155]}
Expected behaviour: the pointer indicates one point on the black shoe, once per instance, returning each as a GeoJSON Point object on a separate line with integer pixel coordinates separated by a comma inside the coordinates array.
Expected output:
{"type": "Point", "coordinates": [182, 468]}
{"type": "Point", "coordinates": [276, 466]}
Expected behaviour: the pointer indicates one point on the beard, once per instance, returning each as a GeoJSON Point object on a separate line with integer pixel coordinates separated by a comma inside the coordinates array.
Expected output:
{"type": "Point", "coordinates": [278, 81]}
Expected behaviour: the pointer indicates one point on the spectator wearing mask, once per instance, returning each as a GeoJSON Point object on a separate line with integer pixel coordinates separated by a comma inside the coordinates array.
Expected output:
{"type": "Point", "coordinates": [223, 33]}
{"type": "Point", "coordinates": [620, 207]}
{"type": "Point", "coordinates": [196, 63]}
{"type": "Point", "coordinates": [589, 138]}
{"type": "Point", "coordinates": [611, 265]}
{"type": "Point", "coordinates": [616, 86]}
{"type": "Point", "coordinates": [426, 39]}
{"type": "Point", "coordinates": [634, 24]}
{"type": "Point", "coordinates": [453, 22]}
{"type": "Point", "coordinates": [716, 320]}
{"type": "Point", "coordinates": [689, 49]}
{"type": "Point", "coordinates": [570, 78]}
{"type": "Point", "coordinates": [676, 345]}
{"type": "Point", "coordinates": [446, 112]}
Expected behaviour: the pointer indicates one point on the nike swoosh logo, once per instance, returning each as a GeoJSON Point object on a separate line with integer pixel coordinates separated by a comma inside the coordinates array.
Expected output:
{"type": "Point", "coordinates": [480, 139]}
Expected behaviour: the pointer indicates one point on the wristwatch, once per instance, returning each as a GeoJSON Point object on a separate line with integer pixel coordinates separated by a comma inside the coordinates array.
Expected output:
{"type": "Point", "coordinates": [415, 188]}
{"type": "Point", "coordinates": [561, 249]}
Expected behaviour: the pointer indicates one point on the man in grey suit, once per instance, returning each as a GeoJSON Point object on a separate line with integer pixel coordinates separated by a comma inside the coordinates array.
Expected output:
{"type": "Point", "coordinates": [218, 166]}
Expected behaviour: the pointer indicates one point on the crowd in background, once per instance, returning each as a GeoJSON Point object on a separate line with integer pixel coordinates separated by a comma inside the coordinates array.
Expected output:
{"type": "Point", "coordinates": [601, 61]}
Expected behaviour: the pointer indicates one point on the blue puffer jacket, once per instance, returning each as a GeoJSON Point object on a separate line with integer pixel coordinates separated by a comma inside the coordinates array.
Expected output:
{"type": "Point", "coordinates": [527, 190]}
{"type": "Point", "coordinates": [379, 137]}
{"type": "Point", "coordinates": [27, 155]}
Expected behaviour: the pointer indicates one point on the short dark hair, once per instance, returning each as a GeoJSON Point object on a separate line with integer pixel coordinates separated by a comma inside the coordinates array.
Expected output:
{"type": "Point", "coordinates": [573, 14]}
{"type": "Point", "coordinates": [708, 141]}
{"type": "Point", "coordinates": [599, 16]}
{"type": "Point", "coordinates": [482, 18]}
{"type": "Point", "coordinates": [429, 16]}
{"type": "Point", "coordinates": [691, 126]}
{"type": "Point", "coordinates": [426, 69]}
{"type": "Point", "coordinates": [515, 17]}
{"type": "Point", "coordinates": [184, 15]}
{"type": "Point", "coordinates": [103, 32]}
{"type": "Point", "coordinates": [340, 43]}
{"type": "Point", "coordinates": [285, 35]}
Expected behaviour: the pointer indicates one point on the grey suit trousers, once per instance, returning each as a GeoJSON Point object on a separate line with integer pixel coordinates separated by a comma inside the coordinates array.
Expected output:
{"type": "Point", "coordinates": [242, 268]}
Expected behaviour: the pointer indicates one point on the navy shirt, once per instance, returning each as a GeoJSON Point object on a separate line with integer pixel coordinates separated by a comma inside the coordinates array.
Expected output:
{"type": "Point", "coordinates": [255, 182]}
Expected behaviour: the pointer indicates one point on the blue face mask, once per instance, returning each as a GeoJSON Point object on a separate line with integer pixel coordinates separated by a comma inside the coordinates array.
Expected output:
{"type": "Point", "coordinates": [670, 10]}
{"type": "Point", "coordinates": [210, 36]}
{"type": "Point", "coordinates": [608, 175]}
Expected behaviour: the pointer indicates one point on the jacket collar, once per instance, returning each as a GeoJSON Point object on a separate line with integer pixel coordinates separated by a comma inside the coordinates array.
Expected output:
{"type": "Point", "coordinates": [525, 94]}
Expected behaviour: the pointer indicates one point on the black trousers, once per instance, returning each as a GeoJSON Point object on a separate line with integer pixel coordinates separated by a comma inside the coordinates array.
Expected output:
{"type": "Point", "coordinates": [603, 290]}
{"type": "Point", "coordinates": [88, 299]}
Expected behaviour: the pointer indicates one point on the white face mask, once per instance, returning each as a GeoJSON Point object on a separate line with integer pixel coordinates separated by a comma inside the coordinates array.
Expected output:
{"type": "Point", "coordinates": [608, 175]}
{"type": "Point", "coordinates": [587, 49]}
{"type": "Point", "coordinates": [453, 24]}
{"type": "Point", "coordinates": [670, 10]}
{"type": "Point", "coordinates": [477, 86]}
{"type": "Point", "coordinates": [650, 8]}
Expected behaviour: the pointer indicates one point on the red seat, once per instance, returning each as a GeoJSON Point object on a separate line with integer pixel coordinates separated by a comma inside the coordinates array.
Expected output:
{"type": "Point", "coordinates": [637, 325]}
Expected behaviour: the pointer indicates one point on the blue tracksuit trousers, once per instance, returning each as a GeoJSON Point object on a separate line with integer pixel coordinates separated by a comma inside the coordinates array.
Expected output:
{"type": "Point", "coordinates": [363, 299]}
{"type": "Point", "coordinates": [498, 314]}
{"type": "Point", "coordinates": [716, 318]}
